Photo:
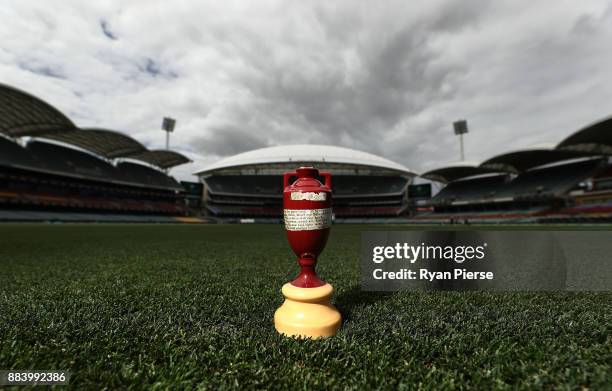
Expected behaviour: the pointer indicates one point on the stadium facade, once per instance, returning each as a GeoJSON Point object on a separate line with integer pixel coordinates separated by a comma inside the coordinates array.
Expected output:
{"type": "Point", "coordinates": [249, 185]}
{"type": "Point", "coordinates": [50, 169]}
{"type": "Point", "coordinates": [567, 182]}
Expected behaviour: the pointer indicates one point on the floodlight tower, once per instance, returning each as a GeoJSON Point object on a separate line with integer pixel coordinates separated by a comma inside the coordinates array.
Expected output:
{"type": "Point", "coordinates": [168, 127]}
{"type": "Point", "coordinates": [461, 128]}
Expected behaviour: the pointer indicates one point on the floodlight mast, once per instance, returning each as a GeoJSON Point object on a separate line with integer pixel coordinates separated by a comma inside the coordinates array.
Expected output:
{"type": "Point", "coordinates": [461, 128]}
{"type": "Point", "coordinates": [168, 126]}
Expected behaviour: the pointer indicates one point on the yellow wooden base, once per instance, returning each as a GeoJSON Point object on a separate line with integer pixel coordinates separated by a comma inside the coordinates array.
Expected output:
{"type": "Point", "coordinates": [307, 312]}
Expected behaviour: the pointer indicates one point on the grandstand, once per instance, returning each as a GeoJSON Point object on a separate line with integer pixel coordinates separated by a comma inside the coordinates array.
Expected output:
{"type": "Point", "coordinates": [569, 182]}
{"type": "Point", "coordinates": [249, 185]}
{"type": "Point", "coordinates": [51, 170]}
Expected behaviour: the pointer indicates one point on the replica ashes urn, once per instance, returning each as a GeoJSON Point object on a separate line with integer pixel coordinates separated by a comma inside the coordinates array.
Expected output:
{"type": "Point", "coordinates": [307, 311]}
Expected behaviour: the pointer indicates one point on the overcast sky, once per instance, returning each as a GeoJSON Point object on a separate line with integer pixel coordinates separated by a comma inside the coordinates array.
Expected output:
{"type": "Point", "coordinates": [380, 76]}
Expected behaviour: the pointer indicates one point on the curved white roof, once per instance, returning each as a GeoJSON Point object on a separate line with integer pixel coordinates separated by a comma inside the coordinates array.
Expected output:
{"type": "Point", "coordinates": [305, 153]}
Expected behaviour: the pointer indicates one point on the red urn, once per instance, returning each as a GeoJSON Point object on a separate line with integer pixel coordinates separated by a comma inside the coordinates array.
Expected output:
{"type": "Point", "coordinates": [307, 215]}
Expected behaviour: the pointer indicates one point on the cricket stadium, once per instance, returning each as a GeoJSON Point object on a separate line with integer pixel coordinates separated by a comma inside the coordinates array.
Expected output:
{"type": "Point", "coordinates": [126, 278]}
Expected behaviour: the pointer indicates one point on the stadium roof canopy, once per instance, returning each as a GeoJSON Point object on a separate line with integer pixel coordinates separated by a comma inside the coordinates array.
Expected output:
{"type": "Point", "coordinates": [595, 139]}
{"type": "Point", "coordinates": [289, 157]}
{"type": "Point", "coordinates": [106, 143]}
{"type": "Point", "coordinates": [22, 114]}
{"type": "Point", "coordinates": [161, 158]}
{"type": "Point", "coordinates": [457, 171]}
{"type": "Point", "coordinates": [522, 160]}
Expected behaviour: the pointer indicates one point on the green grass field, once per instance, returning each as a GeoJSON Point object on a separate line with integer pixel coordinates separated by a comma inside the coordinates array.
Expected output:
{"type": "Point", "coordinates": [192, 306]}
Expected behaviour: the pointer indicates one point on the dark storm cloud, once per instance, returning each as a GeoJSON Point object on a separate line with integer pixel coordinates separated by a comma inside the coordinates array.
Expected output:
{"type": "Point", "coordinates": [397, 80]}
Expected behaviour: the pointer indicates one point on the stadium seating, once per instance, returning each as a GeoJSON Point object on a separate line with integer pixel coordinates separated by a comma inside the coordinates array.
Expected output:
{"type": "Point", "coordinates": [471, 189]}
{"type": "Point", "coordinates": [551, 181]}
{"type": "Point", "coordinates": [68, 161]}
{"type": "Point", "coordinates": [272, 184]}
{"type": "Point", "coordinates": [545, 182]}
{"type": "Point", "coordinates": [261, 195]}
{"type": "Point", "coordinates": [13, 154]}
{"type": "Point", "coordinates": [63, 216]}
{"type": "Point", "coordinates": [351, 185]}
{"type": "Point", "coordinates": [140, 174]}
{"type": "Point", "coordinates": [543, 194]}
{"type": "Point", "coordinates": [64, 161]}
{"type": "Point", "coordinates": [46, 176]}
{"type": "Point", "coordinates": [245, 184]}
{"type": "Point", "coordinates": [37, 190]}
{"type": "Point", "coordinates": [369, 211]}
{"type": "Point", "coordinates": [233, 210]}
{"type": "Point", "coordinates": [49, 165]}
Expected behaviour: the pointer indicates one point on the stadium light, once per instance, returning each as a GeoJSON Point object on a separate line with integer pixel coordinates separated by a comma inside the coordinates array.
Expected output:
{"type": "Point", "coordinates": [461, 128]}
{"type": "Point", "coordinates": [168, 126]}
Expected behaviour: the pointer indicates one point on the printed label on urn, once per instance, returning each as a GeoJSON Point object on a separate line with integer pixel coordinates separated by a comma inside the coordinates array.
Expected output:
{"type": "Point", "coordinates": [307, 219]}
{"type": "Point", "coordinates": [308, 196]}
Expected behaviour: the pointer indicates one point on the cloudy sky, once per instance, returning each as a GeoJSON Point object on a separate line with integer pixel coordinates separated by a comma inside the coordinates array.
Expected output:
{"type": "Point", "coordinates": [380, 76]}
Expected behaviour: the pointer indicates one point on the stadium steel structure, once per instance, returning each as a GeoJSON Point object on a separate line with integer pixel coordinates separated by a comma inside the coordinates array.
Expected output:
{"type": "Point", "coordinates": [595, 139]}
{"type": "Point", "coordinates": [22, 114]}
{"type": "Point", "coordinates": [518, 161]}
{"type": "Point", "coordinates": [457, 171]}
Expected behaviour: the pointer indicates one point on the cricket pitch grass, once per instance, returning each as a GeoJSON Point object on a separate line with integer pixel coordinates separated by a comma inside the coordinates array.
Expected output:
{"type": "Point", "coordinates": [172, 307]}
